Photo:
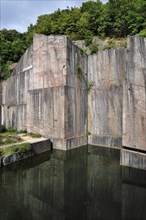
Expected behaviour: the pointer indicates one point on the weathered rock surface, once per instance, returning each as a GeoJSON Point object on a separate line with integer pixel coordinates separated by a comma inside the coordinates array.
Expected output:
{"type": "Point", "coordinates": [46, 93]}
{"type": "Point", "coordinates": [133, 159]}
{"type": "Point", "coordinates": [0, 102]}
{"type": "Point", "coordinates": [36, 148]}
{"type": "Point", "coordinates": [134, 95]}
{"type": "Point", "coordinates": [60, 92]}
{"type": "Point", "coordinates": [105, 72]}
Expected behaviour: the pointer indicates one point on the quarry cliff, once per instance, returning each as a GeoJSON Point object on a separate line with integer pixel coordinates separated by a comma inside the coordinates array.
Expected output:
{"type": "Point", "coordinates": [74, 99]}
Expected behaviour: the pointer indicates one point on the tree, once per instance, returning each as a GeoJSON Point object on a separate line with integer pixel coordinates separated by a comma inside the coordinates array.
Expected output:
{"type": "Point", "coordinates": [116, 18]}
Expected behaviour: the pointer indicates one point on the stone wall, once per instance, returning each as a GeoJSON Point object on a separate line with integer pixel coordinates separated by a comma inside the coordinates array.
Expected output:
{"type": "Point", "coordinates": [46, 92]}
{"type": "Point", "coordinates": [15, 92]}
{"type": "Point", "coordinates": [134, 95]}
{"type": "Point", "coordinates": [105, 75]}
{"type": "Point", "coordinates": [75, 115]}
{"type": "Point", "coordinates": [56, 87]}
{"type": "Point", "coordinates": [46, 187]}
{"type": "Point", "coordinates": [117, 100]}
{"type": "Point", "coordinates": [0, 102]}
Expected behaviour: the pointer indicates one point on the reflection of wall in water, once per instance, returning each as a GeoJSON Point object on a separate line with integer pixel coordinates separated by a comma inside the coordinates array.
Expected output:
{"type": "Point", "coordinates": [48, 190]}
{"type": "Point", "coordinates": [133, 202]}
{"type": "Point", "coordinates": [104, 185]}
{"type": "Point", "coordinates": [72, 185]}
{"type": "Point", "coordinates": [133, 194]}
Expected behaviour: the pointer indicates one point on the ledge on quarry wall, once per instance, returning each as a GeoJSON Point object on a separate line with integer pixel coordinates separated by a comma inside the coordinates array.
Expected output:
{"type": "Point", "coordinates": [75, 99]}
{"type": "Point", "coordinates": [36, 148]}
{"type": "Point", "coordinates": [133, 159]}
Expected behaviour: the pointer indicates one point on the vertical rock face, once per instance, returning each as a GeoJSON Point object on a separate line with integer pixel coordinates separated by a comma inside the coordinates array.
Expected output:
{"type": "Point", "coordinates": [117, 100]}
{"type": "Point", "coordinates": [45, 104]}
{"type": "Point", "coordinates": [75, 97]}
{"type": "Point", "coordinates": [15, 91]}
{"type": "Point", "coordinates": [0, 102]}
{"type": "Point", "coordinates": [134, 95]}
{"type": "Point", "coordinates": [46, 93]}
{"type": "Point", "coordinates": [105, 74]}
{"type": "Point", "coordinates": [50, 93]}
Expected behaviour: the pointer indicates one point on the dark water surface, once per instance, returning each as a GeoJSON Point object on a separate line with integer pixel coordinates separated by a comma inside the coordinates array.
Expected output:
{"type": "Point", "coordinates": [81, 184]}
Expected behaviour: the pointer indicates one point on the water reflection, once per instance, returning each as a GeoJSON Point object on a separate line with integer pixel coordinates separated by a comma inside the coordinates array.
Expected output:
{"type": "Point", "coordinates": [85, 183]}
{"type": "Point", "coordinates": [104, 184]}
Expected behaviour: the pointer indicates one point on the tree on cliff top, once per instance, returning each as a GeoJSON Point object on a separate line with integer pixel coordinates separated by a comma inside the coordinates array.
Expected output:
{"type": "Point", "coordinates": [113, 19]}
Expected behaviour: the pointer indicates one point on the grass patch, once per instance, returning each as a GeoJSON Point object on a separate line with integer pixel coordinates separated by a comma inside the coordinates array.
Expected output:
{"type": "Point", "coordinates": [14, 131]}
{"type": "Point", "coordinates": [9, 130]}
{"type": "Point", "coordinates": [9, 141]}
{"type": "Point", "coordinates": [33, 135]}
{"type": "Point", "coordinates": [9, 138]}
{"type": "Point", "coordinates": [15, 149]}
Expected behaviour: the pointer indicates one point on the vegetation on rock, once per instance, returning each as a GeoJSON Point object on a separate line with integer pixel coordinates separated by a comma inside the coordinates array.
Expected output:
{"type": "Point", "coordinates": [15, 149]}
{"type": "Point", "coordinates": [115, 19]}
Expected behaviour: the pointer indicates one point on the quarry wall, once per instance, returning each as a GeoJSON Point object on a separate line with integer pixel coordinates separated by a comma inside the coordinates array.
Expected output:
{"type": "Point", "coordinates": [117, 101]}
{"type": "Point", "coordinates": [105, 73]}
{"type": "Point", "coordinates": [134, 95]}
{"type": "Point", "coordinates": [46, 92]}
{"type": "Point", "coordinates": [74, 99]}
{"type": "Point", "coordinates": [0, 103]}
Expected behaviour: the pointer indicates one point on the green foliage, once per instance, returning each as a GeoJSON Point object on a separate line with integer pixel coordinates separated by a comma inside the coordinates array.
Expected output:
{"type": "Point", "coordinates": [12, 46]}
{"type": "Point", "coordinates": [9, 141]}
{"type": "Point", "coordinates": [115, 19]}
{"type": "Point", "coordinates": [88, 39]}
{"type": "Point", "coordinates": [143, 33]}
{"type": "Point", "coordinates": [9, 130]}
{"type": "Point", "coordinates": [89, 86]}
{"type": "Point", "coordinates": [110, 45]}
{"type": "Point", "coordinates": [5, 70]}
{"type": "Point", "coordinates": [9, 136]}
{"type": "Point", "coordinates": [82, 50]}
{"type": "Point", "coordinates": [93, 48]}
{"type": "Point", "coordinates": [113, 86]}
{"type": "Point", "coordinates": [79, 73]}
{"type": "Point", "coordinates": [2, 129]}
{"type": "Point", "coordinates": [88, 133]}
{"type": "Point", "coordinates": [125, 76]}
{"type": "Point", "coordinates": [33, 135]}
{"type": "Point", "coordinates": [15, 149]}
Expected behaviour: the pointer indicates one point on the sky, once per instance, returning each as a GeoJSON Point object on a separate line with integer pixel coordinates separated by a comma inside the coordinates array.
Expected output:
{"type": "Point", "coordinates": [19, 14]}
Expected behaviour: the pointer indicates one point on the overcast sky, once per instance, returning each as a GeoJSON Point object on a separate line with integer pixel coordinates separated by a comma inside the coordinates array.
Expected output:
{"type": "Point", "coordinates": [19, 14]}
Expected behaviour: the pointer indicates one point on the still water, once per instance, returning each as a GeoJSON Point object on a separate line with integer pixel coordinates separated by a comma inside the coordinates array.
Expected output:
{"type": "Point", "coordinates": [82, 184]}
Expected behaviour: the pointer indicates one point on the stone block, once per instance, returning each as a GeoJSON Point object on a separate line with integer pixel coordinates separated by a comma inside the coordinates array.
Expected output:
{"type": "Point", "coordinates": [133, 159]}
{"type": "Point", "coordinates": [134, 116]}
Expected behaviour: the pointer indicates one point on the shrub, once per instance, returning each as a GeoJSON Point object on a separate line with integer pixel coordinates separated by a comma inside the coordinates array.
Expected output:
{"type": "Point", "coordinates": [111, 44]}
{"type": "Point", "coordinates": [79, 73]}
{"type": "Point", "coordinates": [82, 51]}
{"type": "Point", "coordinates": [143, 33]}
{"type": "Point", "coordinates": [88, 39]}
{"type": "Point", "coordinates": [2, 129]}
{"type": "Point", "coordinates": [93, 48]}
{"type": "Point", "coordinates": [10, 129]}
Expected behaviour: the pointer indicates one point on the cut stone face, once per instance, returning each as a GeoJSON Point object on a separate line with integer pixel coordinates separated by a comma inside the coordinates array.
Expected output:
{"type": "Point", "coordinates": [74, 99]}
